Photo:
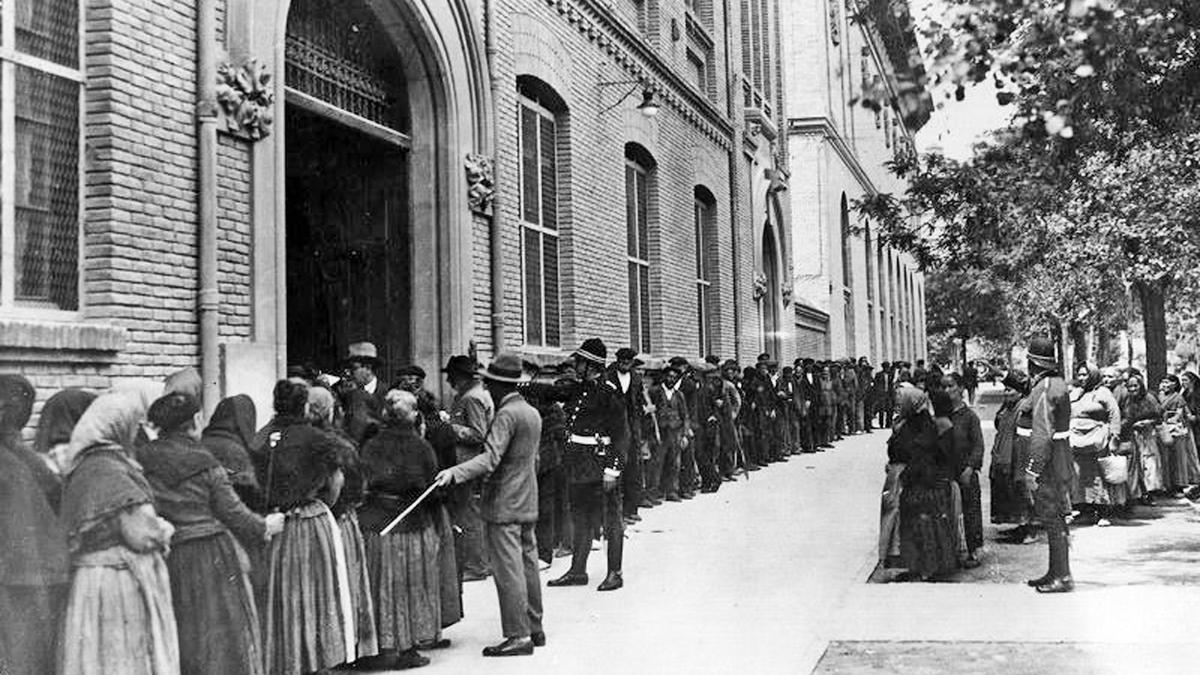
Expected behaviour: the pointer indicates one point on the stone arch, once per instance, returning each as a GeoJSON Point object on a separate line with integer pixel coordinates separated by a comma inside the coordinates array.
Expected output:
{"type": "Point", "coordinates": [538, 52]}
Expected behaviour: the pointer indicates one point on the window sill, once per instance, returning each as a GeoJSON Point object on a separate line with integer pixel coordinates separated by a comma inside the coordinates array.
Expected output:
{"type": "Point", "coordinates": [45, 340]}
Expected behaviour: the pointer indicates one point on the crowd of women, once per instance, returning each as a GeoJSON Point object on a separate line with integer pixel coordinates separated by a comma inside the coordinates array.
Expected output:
{"type": "Point", "coordinates": [1130, 446]}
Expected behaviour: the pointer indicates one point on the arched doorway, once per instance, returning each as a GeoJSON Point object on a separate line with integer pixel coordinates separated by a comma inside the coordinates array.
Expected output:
{"type": "Point", "coordinates": [347, 145]}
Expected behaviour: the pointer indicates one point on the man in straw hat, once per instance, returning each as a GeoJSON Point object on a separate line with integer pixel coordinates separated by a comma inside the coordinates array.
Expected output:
{"type": "Point", "coordinates": [1051, 466]}
{"type": "Point", "coordinates": [364, 401]}
{"type": "Point", "coordinates": [594, 457]}
{"type": "Point", "coordinates": [509, 506]}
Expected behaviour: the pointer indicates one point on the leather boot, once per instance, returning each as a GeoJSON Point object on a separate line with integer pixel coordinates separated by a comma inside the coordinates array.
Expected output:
{"type": "Point", "coordinates": [1060, 563]}
{"type": "Point", "coordinates": [611, 582]}
{"type": "Point", "coordinates": [616, 548]}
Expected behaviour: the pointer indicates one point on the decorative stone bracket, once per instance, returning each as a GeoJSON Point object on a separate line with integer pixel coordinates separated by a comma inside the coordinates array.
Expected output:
{"type": "Point", "coordinates": [786, 292]}
{"type": "Point", "coordinates": [481, 186]}
{"type": "Point", "coordinates": [246, 97]}
{"type": "Point", "coordinates": [760, 286]}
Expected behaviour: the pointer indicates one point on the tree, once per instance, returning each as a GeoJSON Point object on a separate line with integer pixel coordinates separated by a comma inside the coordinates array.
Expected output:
{"type": "Point", "coordinates": [961, 306]}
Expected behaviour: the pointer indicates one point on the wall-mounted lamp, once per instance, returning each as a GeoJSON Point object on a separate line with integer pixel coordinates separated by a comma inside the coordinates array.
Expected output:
{"type": "Point", "coordinates": [648, 107]}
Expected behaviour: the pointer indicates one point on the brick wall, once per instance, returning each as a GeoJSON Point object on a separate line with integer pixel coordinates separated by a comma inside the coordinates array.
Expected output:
{"type": "Point", "coordinates": [234, 236]}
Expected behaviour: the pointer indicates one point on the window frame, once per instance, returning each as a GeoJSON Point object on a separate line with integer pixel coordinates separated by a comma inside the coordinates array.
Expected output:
{"type": "Point", "coordinates": [640, 300]}
{"type": "Point", "coordinates": [544, 233]}
{"type": "Point", "coordinates": [10, 60]}
{"type": "Point", "coordinates": [703, 214]}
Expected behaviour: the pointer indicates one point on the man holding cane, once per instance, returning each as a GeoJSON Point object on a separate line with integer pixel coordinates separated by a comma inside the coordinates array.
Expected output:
{"type": "Point", "coordinates": [509, 506]}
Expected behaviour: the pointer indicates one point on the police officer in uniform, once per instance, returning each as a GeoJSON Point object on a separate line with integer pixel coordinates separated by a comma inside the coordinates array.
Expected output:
{"type": "Point", "coordinates": [1051, 465]}
{"type": "Point", "coordinates": [593, 458]}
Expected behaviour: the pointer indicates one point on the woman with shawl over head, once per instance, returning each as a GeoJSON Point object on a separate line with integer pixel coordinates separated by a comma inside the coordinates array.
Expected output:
{"type": "Point", "coordinates": [210, 585]}
{"type": "Point", "coordinates": [33, 547]}
{"type": "Point", "coordinates": [1011, 501]}
{"type": "Point", "coordinates": [59, 416]}
{"type": "Point", "coordinates": [228, 437]}
{"type": "Point", "coordinates": [398, 466]}
{"type": "Point", "coordinates": [1140, 415]}
{"type": "Point", "coordinates": [307, 613]}
{"type": "Point", "coordinates": [321, 412]}
{"type": "Point", "coordinates": [910, 401]}
{"type": "Point", "coordinates": [1181, 468]}
{"type": "Point", "coordinates": [1095, 428]}
{"type": "Point", "coordinates": [928, 532]}
{"type": "Point", "coordinates": [119, 617]}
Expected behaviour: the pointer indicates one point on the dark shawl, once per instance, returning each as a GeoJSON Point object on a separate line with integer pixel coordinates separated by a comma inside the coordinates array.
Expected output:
{"type": "Point", "coordinates": [295, 463]}
{"type": "Point", "coordinates": [229, 437]}
{"type": "Point", "coordinates": [174, 458]}
{"type": "Point", "coordinates": [59, 416]}
{"type": "Point", "coordinates": [397, 465]}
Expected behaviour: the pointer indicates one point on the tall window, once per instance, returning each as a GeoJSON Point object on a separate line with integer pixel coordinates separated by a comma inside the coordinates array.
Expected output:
{"type": "Point", "coordinates": [639, 170]}
{"type": "Point", "coordinates": [847, 254]}
{"type": "Point", "coordinates": [704, 224]}
{"type": "Point", "coordinates": [40, 102]}
{"type": "Point", "coordinates": [698, 70]}
{"type": "Point", "coordinates": [539, 135]}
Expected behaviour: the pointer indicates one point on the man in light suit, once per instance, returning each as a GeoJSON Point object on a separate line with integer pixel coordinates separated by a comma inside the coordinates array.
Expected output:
{"type": "Point", "coordinates": [509, 506]}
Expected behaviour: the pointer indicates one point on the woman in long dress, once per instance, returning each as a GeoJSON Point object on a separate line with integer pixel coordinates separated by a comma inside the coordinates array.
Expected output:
{"type": "Point", "coordinates": [928, 532]}
{"type": "Point", "coordinates": [1140, 415]}
{"type": "Point", "coordinates": [405, 572]}
{"type": "Point", "coordinates": [119, 618]}
{"type": "Point", "coordinates": [1095, 427]}
{"type": "Point", "coordinates": [308, 616]}
{"type": "Point", "coordinates": [33, 547]}
{"type": "Point", "coordinates": [56, 422]}
{"type": "Point", "coordinates": [228, 436]}
{"type": "Point", "coordinates": [1181, 467]}
{"type": "Point", "coordinates": [1010, 498]}
{"type": "Point", "coordinates": [210, 584]}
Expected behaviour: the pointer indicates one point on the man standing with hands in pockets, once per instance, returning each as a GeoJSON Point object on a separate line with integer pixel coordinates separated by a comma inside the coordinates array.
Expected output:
{"type": "Point", "coordinates": [509, 506]}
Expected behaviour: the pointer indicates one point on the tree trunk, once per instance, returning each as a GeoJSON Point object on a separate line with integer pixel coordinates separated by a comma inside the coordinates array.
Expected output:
{"type": "Point", "coordinates": [1103, 346]}
{"type": "Point", "coordinates": [1154, 323]}
{"type": "Point", "coordinates": [963, 360]}
{"type": "Point", "coordinates": [1079, 344]}
{"type": "Point", "coordinates": [1056, 335]}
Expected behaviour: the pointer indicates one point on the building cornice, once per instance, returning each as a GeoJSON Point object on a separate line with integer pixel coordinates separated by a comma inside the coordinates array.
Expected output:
{"type": "Point", "coordinates": [822, 126]}
{"type": "Point", "coordinates": [594, 20]}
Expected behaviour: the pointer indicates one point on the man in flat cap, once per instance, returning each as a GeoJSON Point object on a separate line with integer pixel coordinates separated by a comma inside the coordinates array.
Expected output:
{"type": "Point", "coordinates": [470, 416]}
{"type": "Point", "coordinates": [594, 457]}
{"type": "Point", "coordinates": [672, 411]}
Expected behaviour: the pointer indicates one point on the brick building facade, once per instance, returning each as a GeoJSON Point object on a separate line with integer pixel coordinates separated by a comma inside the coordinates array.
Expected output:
{"type": "Point", "coordinates": [854, 296]}
{"type": "Point", "coordinates": [238, 185]}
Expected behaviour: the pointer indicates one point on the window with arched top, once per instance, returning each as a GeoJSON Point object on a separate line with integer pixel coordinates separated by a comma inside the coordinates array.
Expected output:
{"type": "Point", "coordinates": [541, 131]}
{"type": "Point", "coordinates": [704, 224]}
{"type": "Point", "coordinates": [41, 96]}
{"type": "Point", "coordinates": [640, 176]}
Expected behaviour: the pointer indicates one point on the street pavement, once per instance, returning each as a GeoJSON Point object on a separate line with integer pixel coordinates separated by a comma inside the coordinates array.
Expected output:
{"type": "Point", "coordinates": [770, 573]}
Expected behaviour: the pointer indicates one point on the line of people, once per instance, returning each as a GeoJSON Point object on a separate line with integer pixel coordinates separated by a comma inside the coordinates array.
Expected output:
{"type": "Point", "coordinates": [141, 540]}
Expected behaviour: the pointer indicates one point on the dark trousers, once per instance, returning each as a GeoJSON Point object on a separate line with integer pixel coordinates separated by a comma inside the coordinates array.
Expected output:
{"type": "Point", "coordinates": [551, 512]}
{"type": "Point", "coordinates": [805, 422]}
{"type": "Point", "coordinates": [631, 481]}
{"type": "Point", "coordinates": [669, 449]}
{"type": "Point", "coordinates": [1048, 505]}
{"type": "Point", "coordinates": [652, 470]}
{"type": "Point", "coordinates": [592, 508]}
{"type": "Point", "coordinates": [473, 556]}
{"type": "Point", "coordinates": [707, 446]}
{"type": "Point", "coordinates": [687, 467]}
{"type": "Point", "coordinates": [513, 550]}
{"type": "Point", "coordinates": [730, 447]}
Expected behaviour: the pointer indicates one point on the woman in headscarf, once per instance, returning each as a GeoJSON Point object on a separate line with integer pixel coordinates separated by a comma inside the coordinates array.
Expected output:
{"type": "Point", "coordinates": [1181, 469]}
{"type": "Point", "coordinates": [321, 413]}
{"type": "Point", "coordinates": [228, 436]}
{"type": "Point", "coordinates": [59, 416]}
{"type": "Point", "coordinates": [1191, 394]}
{"type": "Point", "coordinates": [1095, 427]}
{"type": "Point", "coordinates": [308, 617]}
{"type": "Point", "coordinates": [929, 538]}
{"type": "Point", "coordinates": [119, 617]}
{"type": "Point", "coordinates": [33, 547]}
{"type": "Point", "coordinates": [910, 402]}
{"type": "Point", "coordinates": [405, 573]}
{"type": "Point", "coordinates": [1140, 415]}
{"type": "Point", "coordinates": [968, 445]}
{"type": "Point", "coordinates": [1011, 501]}
{"type": "Point", "coordinates": [214, 606]}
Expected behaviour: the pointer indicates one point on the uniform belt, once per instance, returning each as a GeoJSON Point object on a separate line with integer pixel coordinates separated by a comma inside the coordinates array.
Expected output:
{"type": "Point", "coordinates": [590, 440]}
{"type": "Point", "coordinates": [1057, 436]}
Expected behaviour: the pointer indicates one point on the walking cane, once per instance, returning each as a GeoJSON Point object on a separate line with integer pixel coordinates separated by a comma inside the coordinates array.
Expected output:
{"type": "Point", "coordinates": [396, 521]}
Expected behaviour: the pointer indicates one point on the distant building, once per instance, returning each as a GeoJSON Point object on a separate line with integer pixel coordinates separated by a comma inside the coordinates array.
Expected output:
{"type": "Point", "coordinates": [853, 297]}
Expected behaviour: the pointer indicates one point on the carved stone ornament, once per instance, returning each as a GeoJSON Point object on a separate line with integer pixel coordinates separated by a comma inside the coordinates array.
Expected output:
{"type": "Point", "coordinates": [760, 286]}
{"type": "Point", "coordinates": [835, 22]}
{"type": "Point", "coordinates": [246, 95]}
{"type": "Point", "coordinates": [786, 292]}
{"type": "Point", "coordinates": [481, 187]}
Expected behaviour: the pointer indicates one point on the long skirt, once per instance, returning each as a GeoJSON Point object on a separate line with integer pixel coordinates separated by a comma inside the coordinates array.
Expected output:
{"type": "Point", "coordinates": [928, 533]}
{"type": "Point", "coordinates": [1089, 486]}
{"type": "Point", "coordinates": [889, 513]}
{"type": "Point", "coordinates": [406, 576]}
{"type": "Point", "coordinates": [451, 587]}
{"type": "Point", "coordinates": [309, 617]}
{"type": "Point", "coordinates": [1145, 470]}
{"type": "Point", "coordinates": [361, 597]}
{"type": "Point", "coordinates": [28, 644]}
{"type": "Point", "coordinates": [119, 619]}
{"type": "Point", "coordinates": [214, 608]}
{"type": "Point", "coordinates": [972, 513]}
{"type": "Point", "coordinates": [1182, 467]}
{"type": "Point", "coordinates": [1011, 501]}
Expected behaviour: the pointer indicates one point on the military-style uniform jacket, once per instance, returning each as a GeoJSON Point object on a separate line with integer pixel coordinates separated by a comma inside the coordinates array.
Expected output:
{"type": "Point", "coordinates": [1049, 441]}
{"type": "Point", "coordinates": [598, 431]}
